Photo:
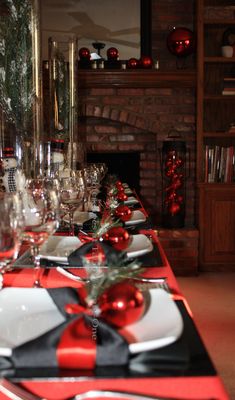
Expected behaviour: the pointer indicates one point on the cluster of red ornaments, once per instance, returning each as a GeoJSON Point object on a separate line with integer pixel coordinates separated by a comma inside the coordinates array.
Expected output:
{"type": "Point", "coordinates": [173, 199]}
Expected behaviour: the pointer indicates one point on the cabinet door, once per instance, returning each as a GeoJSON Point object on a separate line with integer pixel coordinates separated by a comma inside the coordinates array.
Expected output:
{"type": "Point", "coordinates": [217, 227]}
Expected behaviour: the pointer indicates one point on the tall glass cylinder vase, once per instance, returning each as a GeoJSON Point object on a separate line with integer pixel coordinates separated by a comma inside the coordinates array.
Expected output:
{"type": "Point", "coordinates": [63, 97]}
{"type": "Point", "coordinates": [20, 83]}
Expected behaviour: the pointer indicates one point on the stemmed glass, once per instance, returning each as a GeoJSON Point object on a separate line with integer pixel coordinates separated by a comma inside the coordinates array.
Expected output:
{"type": "Point", "coordinates": [11, 229]}
{"type": "Point", "coordinates": [71, 197]}
{"type": "Point", "coordinates": [41, 210]}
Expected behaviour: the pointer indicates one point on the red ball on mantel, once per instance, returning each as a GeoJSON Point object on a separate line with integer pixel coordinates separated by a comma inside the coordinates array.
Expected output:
{"type": "Point", "coordinates": [121, 196]}
{"type": "Point", "coordinates": [118, 237]}
{"type": "Point", "coordinates": [132, 63]}
{"type": "Point", "coordinates": [121, 304]}
{"type": "Point", "coordinates": [146, 62]}
{"type": "Point", "coordinates": [123, 212]}
{"type": "Point", "coordinates": [112, 53]}
{"type": "Point", "coordinates": [84, 53]}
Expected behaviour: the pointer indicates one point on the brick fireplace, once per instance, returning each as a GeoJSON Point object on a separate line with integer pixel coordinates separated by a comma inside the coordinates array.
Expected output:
{"type": "Point", "coordinates": [128, 112]}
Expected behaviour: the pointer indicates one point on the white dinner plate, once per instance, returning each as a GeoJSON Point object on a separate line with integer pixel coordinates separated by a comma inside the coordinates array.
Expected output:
{"type": "Point", "coordinates": [58, 248]}
{"type": "Point", "coordinates": [79, 217]}
{"type": "Point", "coordinates": [160, 326]}
{"type": "Point", "coordinates": [27, 313]}
{"type": "Point", "coordinates": [136, 218]}
{"type": "Point", "coordinates": [139, 246]}
{"type": "Point", "coordinates": [131, 200]}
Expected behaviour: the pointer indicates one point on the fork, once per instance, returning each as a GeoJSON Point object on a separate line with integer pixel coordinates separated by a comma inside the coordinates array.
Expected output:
{"type": "Point", "coordinates": [77, 278]}
{"type": "Point", "coordinates": [15, 392]}
{"type": "Point", "coordinates": [93, 394]}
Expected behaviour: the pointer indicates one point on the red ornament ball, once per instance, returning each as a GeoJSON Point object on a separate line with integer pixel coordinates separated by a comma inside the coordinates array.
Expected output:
{"type": "Point", "coordinates": [84, 53]}
{"type": "Point", "coordinates": [174, 208]}
{"type": "Point", "coordinates": [123, 213]}
{"type": "Point", "coordinates": [181, 42]}
{"type": "Point", "coordinates": [121, 304]}
{"type": "Point", "coordinates": [146, 62]}
{"type": "Point", "coordinates": [132, 63]}
{"type": "Point", "coordinates": [121, 196]}
{"type": "Point", "coordinates": [118, 184]}
{"type": "Point", "coordinates": [118, 237]}
{"type": "Point", "coordinates": [112, 53]}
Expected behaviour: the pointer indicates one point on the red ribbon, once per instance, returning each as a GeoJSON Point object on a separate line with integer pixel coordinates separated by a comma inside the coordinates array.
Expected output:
{"type": "Point", "coordinates": [77, 346]}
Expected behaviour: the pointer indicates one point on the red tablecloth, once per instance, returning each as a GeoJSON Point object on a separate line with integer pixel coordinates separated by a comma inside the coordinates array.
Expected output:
{"type": "Point", "coordinates": [200, 387]}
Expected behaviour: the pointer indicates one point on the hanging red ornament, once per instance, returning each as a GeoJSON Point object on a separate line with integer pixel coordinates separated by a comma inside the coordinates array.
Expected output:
{"type": "Point", "coordinates": [181, 42]}
{"type": "Point", "coordinates": [118, 237]}
{"type": "Point", "coordinates": [177, 183]}
{"type": "Point", "coordinates": [146, 62]}
{"type": "Point", "coordinates": [179, 199]}
{"type": "Point", "coordinates": [169, 162]}
{"type": "Point", "coordinates": [123, 212]}
{"type": "Point", "coordinates": [174, 208]}
{"type": "Point", "coordinates": [84, 53]}
{"type": "Point", "coordinates": [112, 54]}
{"type": "Point", "coordinates": [170, 171]}
{"type": "Point", "coordinates": [132, 63]}
{"type": "Point", "coordinates": [171, 196]}
{"type": "Point", "coordinates": [118, 184]}
{"type": "Point", "coordinates": [121, 304]}
{"type": "Point", "coordinates": [121, 196]}
{"type": "Point", "coordinates": [179, 162]}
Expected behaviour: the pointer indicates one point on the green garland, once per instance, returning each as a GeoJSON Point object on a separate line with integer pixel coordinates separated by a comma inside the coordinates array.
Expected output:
{"type": "Point", "coordinates": [16, 93]}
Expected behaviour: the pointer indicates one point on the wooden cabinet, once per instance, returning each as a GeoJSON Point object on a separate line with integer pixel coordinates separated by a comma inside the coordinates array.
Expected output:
{"type": "Point", "coordinates": [216, 135]}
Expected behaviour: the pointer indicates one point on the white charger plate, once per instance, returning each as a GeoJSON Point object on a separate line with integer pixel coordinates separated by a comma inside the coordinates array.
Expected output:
{"type": "Point", "coordinates": [27, 313]}
{"type": "Point", "coordinates": [58, 248]}
{"type": "Point", "coordinates": [79, 217]}
{"type": "Point", "coordinates": [139, 246]}
{"type": "Point", "coordinates": [136, 218]}
{"type": "Point", "coordinates": [131, 200]}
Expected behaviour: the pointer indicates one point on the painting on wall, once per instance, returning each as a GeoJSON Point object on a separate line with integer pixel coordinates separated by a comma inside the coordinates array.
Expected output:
{"type": "Point", "coordinates": [114, 23]}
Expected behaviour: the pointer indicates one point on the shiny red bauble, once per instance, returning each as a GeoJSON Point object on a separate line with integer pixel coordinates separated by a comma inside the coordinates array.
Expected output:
{"type": "Point", "coordinates": [121, 304]}
{"type": "Point", "coordinates": [118, 237]}
{"type": "Point", "coordinates": [132, 63]}
{"type": "Point", "coordinates": [123, 213]}
{"type": "Point", "coordinates": [121, 196]}
{"type": "Point", "coordinates": [146, 62]}
{"type": "Point", "coordinates": [181, 42]}
{"type": "Point", "coordinates": [174, 208]}
{"type": "Point", "coordinates": [112, 53]}
{"type": "Point", "coordinates": [119, 184]}
{"type": "Point", "coordinates": [84, 53]}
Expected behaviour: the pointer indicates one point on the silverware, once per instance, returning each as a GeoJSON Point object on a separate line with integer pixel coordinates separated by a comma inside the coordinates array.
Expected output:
{"type": "Point", "coordinates": [156, 282]}
{"type": "Point", "coordinates": [108, 394]}
{"type": "Point", "coordinates": [93, 394]}
{"type": "Point", "coordinates": [15, 392]}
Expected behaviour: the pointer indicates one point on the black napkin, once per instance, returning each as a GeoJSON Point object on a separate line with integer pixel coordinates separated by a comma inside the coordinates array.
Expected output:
{"type": "Point", "coordinates": [41, 352]}
{"type": "Point", "coordinates": [76, 258]}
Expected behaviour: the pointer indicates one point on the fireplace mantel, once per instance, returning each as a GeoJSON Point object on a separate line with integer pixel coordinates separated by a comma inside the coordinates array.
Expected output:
{"type": "Point", "coordinates": [135, 78]}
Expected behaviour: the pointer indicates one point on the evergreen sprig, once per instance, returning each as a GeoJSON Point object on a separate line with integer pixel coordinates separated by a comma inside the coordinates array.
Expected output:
{"type": "Point", "coordinates": [16, 92]}
{"type": "Point", "coordinates": [118, 269]}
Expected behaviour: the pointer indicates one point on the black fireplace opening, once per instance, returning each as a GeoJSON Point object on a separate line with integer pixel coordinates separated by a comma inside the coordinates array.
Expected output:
{"type": "Point", "coordinates": [126, 165]}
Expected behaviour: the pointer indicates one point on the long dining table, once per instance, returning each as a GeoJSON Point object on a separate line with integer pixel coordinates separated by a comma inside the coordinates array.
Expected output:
{"type": "Point", "coordinates": [182, 370]}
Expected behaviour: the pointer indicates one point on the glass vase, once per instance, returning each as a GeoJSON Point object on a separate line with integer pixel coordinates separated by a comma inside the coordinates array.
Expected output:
{"type": "Point", "coordinates": [20, 83]}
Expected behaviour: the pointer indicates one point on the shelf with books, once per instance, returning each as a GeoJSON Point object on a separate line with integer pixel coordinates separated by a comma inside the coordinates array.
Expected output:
{"type": "Point", "coordinates": [219, 164]}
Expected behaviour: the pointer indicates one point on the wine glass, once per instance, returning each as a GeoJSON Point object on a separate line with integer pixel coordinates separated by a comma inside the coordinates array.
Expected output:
{"type": "Point", "coordinates": [41, 210]}
{"type": "Point", "coordinates": [11, 229]}
{"type": "Point", "coordinates": [71, 197]}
